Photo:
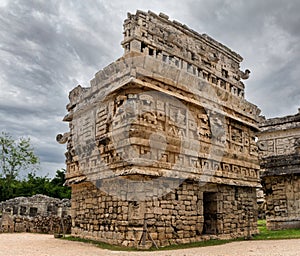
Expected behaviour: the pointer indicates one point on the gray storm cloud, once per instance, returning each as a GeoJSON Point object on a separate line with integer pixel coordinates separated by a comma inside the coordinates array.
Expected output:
{"type": "Point", "coordinates": [48, 47]}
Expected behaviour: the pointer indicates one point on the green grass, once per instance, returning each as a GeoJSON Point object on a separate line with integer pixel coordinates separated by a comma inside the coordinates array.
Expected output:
{"type": "Point", "coordinates": [170, 247]}
{"type": "Point", "coordinates": [196, 244]}
{"type": "Point", "coordinates": [264, 234]}
{"type": "Point", "coordinates": [99, 244]}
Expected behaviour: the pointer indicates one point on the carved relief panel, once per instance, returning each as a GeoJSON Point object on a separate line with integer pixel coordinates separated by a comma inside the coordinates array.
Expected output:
{"type": "Point", "coordinates": [277, 146]}
{"type": "Point", "coordinates": [147, 126]}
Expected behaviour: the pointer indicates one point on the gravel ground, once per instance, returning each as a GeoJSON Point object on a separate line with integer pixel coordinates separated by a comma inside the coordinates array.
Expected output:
{"type": "Point", "coordinates": [25, 244]}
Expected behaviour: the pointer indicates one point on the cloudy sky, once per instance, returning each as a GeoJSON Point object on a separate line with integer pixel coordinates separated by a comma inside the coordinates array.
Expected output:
{"type": "Point", "coordinates": [48, 47]}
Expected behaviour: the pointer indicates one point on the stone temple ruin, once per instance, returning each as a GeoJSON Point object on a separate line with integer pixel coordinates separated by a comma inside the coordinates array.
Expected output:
{"type": "Point", "coordinates": [279, 144]}
{"type": "Point", "coordinates": [162, 147]}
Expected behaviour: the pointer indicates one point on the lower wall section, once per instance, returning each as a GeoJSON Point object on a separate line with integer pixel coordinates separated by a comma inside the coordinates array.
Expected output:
{"type": "Point", "coordinates": [191, 212]}
{"type": "Point", "coordinates": [39, 224]}
{"type": "Point", "coordinates": [283, 201]}
{"type": "Point", "coordinates": [282, 223]}
{"type": "Point", "coordinates": [38, 214]}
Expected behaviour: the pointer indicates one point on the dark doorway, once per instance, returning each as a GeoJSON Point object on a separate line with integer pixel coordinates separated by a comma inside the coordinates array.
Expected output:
{"type": "Point", "coordinates": [33, 211]}
{"type": "Point", "coordinates": [210, 213]}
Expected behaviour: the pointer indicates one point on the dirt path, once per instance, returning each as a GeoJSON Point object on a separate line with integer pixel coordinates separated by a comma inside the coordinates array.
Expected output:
{"type": "Point", "coordinates": [24, 244]}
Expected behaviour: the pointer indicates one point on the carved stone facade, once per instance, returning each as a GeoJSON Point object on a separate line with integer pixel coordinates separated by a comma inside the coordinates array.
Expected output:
{"type": "Point", "coordinates": [279, 144]}
{"type": "Point", "coordinates": [163, 139]}
{"type": "Point", "coordinates": [37, 214]}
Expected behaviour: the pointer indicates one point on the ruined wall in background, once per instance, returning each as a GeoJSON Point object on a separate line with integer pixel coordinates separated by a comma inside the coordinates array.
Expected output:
{"type": "Point", "coordinates": [279, 143]}
{"type": "Point", "coordinates": [37, 214]}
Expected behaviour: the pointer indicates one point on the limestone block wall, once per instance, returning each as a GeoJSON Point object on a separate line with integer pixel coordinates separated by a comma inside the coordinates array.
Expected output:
{"type": "Point", "coordinates": [39, 224]}
{"type": "Point", "coordinates": [37, 214]}
{"type": "Point", "coordinates": [279, 144]}
{"type": "Point", "coordinates": [192, 212]}
{"type": "Point", "coordinates": [283, 201]}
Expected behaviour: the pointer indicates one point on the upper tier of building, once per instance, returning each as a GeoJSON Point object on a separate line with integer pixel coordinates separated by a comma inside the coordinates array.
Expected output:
{"type": "Point", "coordinates": [156, 35]}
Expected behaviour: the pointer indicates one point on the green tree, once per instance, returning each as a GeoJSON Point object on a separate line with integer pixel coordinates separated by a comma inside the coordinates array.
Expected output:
{"type": "Point", "coordinates": [59, 190]}
{"type": "Point", "coordinates": [33, 184]}
{"type": "Point", "coordinates": [15, 155]}
{"type": "Point", "coordinates": [18, 155]}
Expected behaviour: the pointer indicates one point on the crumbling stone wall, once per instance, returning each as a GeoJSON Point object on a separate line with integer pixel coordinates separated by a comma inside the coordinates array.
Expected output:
{"type": "Point", "coordinates": [190, 213]}
{"type": "Point", "coordinates": [38, 214]}
{"type": "Point", "coordinates": [279, 143]}
{"type": "Point", "coordinates": [165, 135]}
{"type": "Point", "coordinates": [283, 201]}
